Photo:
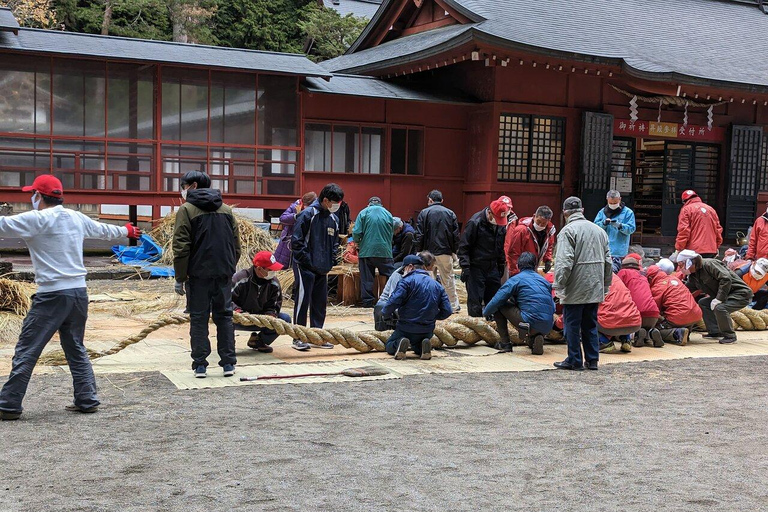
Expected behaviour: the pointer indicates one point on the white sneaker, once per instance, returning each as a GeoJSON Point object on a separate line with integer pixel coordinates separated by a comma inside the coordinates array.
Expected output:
{"type": "Point", "coordinates": [300, 345]}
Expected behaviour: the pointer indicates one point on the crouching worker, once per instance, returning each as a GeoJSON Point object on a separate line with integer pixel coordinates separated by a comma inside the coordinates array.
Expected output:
{"type": "Point", "coordinates": [382, 323]}
{"type": "Point", "coordinates": [525, 300]}
{"type": "Point", "coordinates": [54, 236]}
{"type": "Point", "coordinates": [256, 290]}
{"type": "Point", "coordinates": [679, 310]}
{"type": "Point", "coordinates": [419, 301]}
{"type": "Point", "coordinates": [617, 317]}
{"type": "Point", "coordinates": [640, 290]}
{"type": "Point", "coordinates": [726, 293]}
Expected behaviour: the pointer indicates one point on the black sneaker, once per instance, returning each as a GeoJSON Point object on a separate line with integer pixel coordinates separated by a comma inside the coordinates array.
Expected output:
{"type": "Point", "coordinates": [727, 340]}
{"type": "Point", "coordinates": [200, 372]}
{"type": "Point", "coordinates": [9, 416]}
{"type": "Point", "coordinates": [504, 346]}
{"type": "Point", "coordinates": [84, 410]}
{"type": "Point", "coordinates": [658, 342]}
{"type": "Point", "coordinates": [537, 348]}
{"type": "Point", "coordinates": [402, 348]}
{"type": "Point", "coordinates": [640, 337]}
{"type": "Point", "coordinates": [712, 336]}
{"type": "Point", "coordinates": [426, 349]}
{"type": "Point", "coordinates": [592, 365]}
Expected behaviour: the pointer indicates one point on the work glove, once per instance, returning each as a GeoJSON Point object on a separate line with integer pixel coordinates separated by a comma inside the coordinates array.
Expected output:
{"type": "Point", "coordinates": [464, 275]}
{"type": "Point", "coordinates": [714, 304]}
{"type": "Point", "coordinates": [547, 266]}
{"type": "Point", "coordinates": [133, 231]}
{"type": "Point", "coordinates": [179, 288]}
{"type": "Point", "coordinates": [606, 222]}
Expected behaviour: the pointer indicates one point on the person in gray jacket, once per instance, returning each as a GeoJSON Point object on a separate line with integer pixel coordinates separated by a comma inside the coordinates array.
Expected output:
{"type": "Point", "coordinates": [583, 272]}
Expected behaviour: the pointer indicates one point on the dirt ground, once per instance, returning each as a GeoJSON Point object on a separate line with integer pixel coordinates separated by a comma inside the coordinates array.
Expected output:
{"type": "Point", "coordinates": [674, 435]}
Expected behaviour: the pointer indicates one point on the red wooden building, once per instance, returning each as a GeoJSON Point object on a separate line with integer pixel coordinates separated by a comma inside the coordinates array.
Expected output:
{"type": "Point", "coordinates": [535, 100]}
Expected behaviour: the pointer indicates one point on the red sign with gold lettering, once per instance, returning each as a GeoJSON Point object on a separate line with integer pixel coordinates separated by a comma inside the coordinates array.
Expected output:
{"type": "Point", "coordinates": [652, 129]}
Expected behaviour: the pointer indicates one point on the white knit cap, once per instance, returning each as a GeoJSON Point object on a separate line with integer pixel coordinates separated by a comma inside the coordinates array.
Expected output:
{"type": "Point", "coordinates": [666, 266]}
{"type": "Point", "coordinates": [686, 255]}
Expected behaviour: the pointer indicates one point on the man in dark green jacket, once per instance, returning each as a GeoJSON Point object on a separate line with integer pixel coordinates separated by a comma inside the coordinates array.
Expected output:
{"type": "Point", "coordinates": [373, 234]}
{"type": "Point", "coordinates": [206, 248]}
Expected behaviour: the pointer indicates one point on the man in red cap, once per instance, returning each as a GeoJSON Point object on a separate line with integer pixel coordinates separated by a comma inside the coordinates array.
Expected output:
{"type": "Point", "coordinates": [54, 236]}
{"type": "Point", "coordinates": [481, 254]}
{"type": "Point", "coordinates": [532, 234]}
{"type": "Point", "coordinates": [256, 290]}
{"type": "Point", "coordinates": [698, 227]}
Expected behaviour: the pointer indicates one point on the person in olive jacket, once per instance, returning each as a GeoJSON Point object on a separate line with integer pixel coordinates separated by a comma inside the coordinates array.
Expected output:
{"type": "Point", "coordinates": [206, 249]}
{"type": "Point", "coordinates": [726, 292]}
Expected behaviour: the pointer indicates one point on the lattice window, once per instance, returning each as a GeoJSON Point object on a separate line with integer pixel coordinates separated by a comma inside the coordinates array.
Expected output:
{"type": "Point", "coordinates": [531, 148]}
{"type": "Point", "coordinates": [764, 165]}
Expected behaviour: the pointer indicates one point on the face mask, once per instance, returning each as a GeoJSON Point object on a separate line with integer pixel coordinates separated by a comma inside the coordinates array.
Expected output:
{"type": "Point", "coordinates": [184, 194]}
{"type": "Point", "coordinates": [334, 207]}
{"type": "Point", "coordinates": [35, 204]}
{"type": "Point", "coordinates": [614, 206]}
{"type": "Point", "coordinates": [492, 220]}
{"type": "Point", "coordinates": [538, 228]}
{"type": "Point", "coordinates": [271, 274]}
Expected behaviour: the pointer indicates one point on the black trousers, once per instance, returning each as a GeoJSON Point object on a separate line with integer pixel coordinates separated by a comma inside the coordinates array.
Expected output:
{"type": "Point", "coordinates": [311, 297]}
{"type": "Point", "coordinates": [368, 267]}
{"type": "Point", "coordinates": [482, 285]}
{"type": "Point", "coordinates": [211, 297]}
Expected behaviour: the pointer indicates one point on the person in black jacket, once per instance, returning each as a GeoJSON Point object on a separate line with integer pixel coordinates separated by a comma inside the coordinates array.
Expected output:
{"type": "Point", "coordinates": [314, 245]}
{"type": "Point", "coordinates": [437, 231]}
{"type": "Point", "coordinates": [206, 248]}
{"type": "Point", "coordinates": [256, 290]}
{"type": "Point", "coordinates": [402, 241]}
{"type": "Point", "coordinates": [481, 255]}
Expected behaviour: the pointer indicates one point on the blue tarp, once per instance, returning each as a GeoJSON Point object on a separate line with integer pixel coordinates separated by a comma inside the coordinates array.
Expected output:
{"type": "Point", "coordinates": [143, 255]}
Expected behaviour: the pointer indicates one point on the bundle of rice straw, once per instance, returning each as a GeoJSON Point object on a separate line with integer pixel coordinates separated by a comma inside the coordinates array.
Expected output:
{"type": "Point", "coordinates": [252, 239]}
{"type": "Point", "coordinates": [14, 296]}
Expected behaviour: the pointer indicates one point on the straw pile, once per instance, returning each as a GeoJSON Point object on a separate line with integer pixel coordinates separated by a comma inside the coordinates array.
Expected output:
{"type": "Point", "coordinates": [252, 239]}
{"type": "Point", "coordinates": [14, 296]}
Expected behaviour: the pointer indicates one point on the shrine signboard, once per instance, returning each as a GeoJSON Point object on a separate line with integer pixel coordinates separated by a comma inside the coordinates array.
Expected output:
{"type": "Point", "coordinates": [652, 129]}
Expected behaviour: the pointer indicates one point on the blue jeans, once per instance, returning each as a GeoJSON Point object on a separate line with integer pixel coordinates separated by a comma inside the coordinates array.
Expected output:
{"type": "Point", "coordinates": [580, 325]}
{"type": "Point", "coordinates": [65, 311]}
{"type": "Point", "coordinates": [414, 338]}
{"type": "Point", "coordinates": [266, 335]}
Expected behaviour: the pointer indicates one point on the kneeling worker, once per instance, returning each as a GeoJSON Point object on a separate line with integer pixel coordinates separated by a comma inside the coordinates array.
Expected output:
{"type": "Point", "coordinates": [525, 300]}
{"type": "Point", "coordinates": [617, 317]}
{"type": "Point", "coordinates": [419, 301]}
{"type": "Point", "coordinates": [256, 290]}
{"type": "Point", "coordinates": [387, 324]}
{"type": "Point", "coordinates": [678, 308]}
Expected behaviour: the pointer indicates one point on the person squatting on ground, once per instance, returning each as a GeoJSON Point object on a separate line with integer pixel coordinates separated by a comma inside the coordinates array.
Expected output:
{"type": "Point", "coordinates": [314, 245]}
{"type": "Point", "coordinates": [402, 241]}
{"type": "Point", "coordinates": [419, 301]}
{"type": "Point", "coordinates": [532, 234]}
{"type": "Point", "coordinates": [437, 231]}
{"type": "Point", "coordinates": [618, 221]}
{"type": "Point", "coordinates": [757, 278]}
{"type": "Point", "coordinates": [373, 234]}
{"type": "Point", "coordinates": [256, 290]}
{"type": "Point", "coordinates": [637, 284]}
{"type": "Point", "coordinates": [288, 220]}
{"type": "Point", "coordinates": [677, 307]}
{"type": "Point", "coordinates": [206, 249]}
{"type": "Point", "coordinates": [54, 236]}
{"type": "Point", "coordinates": [617, 317]}
{"type": "Point", "coordinates": [481, 255]}
{"type": "Point", "coordinates": [525, 300]}
{"type": "Point", "coordinates": [725, 293]}
{"type": "Point", "coordinates": [698, 227]}
{"type": "Point", "coordinates": [582, 280]}
{"type": "Point", "coordinates": [386, 324]}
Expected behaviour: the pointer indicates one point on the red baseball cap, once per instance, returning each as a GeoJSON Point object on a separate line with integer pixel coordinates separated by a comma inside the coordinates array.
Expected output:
{"type": "Point", "coordinates": [48, 185]}
{"type": "Point", "coordinates": [500, 209]}
{"type": "Point", "coordinates": [689, 194]}
{"type": "Point", "coordinates": [266, 259]}
{"type": "Point", "coordinates": [635, 256]}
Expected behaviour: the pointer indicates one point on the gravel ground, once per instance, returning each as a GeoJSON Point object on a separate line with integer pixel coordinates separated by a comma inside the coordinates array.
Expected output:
{"type": "Point", "coordinates": [678, 435]}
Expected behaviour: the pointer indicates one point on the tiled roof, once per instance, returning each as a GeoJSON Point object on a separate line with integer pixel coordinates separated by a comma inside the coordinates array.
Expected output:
{"type": "Point", "coordinates": [7, 20]}
{"type": "Point", "coordinates": [354, 85]}
{"type": "Point", "coordinates": [359, 8]}
{"type": "Point", "coordinates": [118, 48]}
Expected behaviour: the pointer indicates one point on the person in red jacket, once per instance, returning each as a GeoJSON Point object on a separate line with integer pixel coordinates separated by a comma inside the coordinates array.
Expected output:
{"type": "Point", "coordinates": [678, 307]}
{"type": "Point", "coordinates": [532, 234]}
{"type": "Point", "coordinates": [758, 239]}
{"type": "Point", "coordinates": [617, 317]}
{"type": "Point", "coordinates": [630, 274]}
{"type": "Point", "coordinates": [698, 227]}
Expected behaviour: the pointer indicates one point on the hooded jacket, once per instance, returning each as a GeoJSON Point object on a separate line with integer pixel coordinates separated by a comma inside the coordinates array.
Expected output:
{"type": "Point", "coordinates": [619, 231]}
{"type": "Point", "coordinates": [373, 232]}
{"type": "Point", "coordinates": [523, 238]}
{"type": "Point", "coordinates": [255, 295]}
{"type": "Point", "coordinates": [714, 279]}
{"type": "Point", "coordinates": [287, 219]}
{"type": "Point", "coordinates": [618, 311]}
{"type": "Point", "coordinates": [206, 238]}
{"type": "Point", "coordinates": [532, 294]}
{"type": "Point", "coordinates": [419, 301]}
{"type": "Point", "coordinates": [640, 290]}
{"type": "Point", "coordinates": [437, 230]}
{"type": "Point", "coordinates": [758, 239]}
{"type": "Point", "coordinates": [675, 301]}
{"type": "Point", "coordinates": [403, 243]}
{"type": "Point", "coordinates": [482, 243]}
{"type": "Point", "coordinates": [698, 228]}
{"type": "Point", "coordinates": [315, 239]}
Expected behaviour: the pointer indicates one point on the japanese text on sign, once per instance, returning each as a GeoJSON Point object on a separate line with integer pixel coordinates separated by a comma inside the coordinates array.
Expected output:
{"type": "Point", "coordinates": [626, 127]}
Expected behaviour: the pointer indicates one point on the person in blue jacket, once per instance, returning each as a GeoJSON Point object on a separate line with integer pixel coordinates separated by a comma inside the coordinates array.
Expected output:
{"type": "Point", "coordinates": [525, 300]}
{"type": "Point", "coordinates": [619, 222]}
{"type": "Point", "coordinates": [314, 243]}
{"type": "Point", "coordinates": [419, 301]}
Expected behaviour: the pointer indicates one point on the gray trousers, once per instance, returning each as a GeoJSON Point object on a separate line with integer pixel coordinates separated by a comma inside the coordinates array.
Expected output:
{"type": "Point", "coordinates": [719, 321]}
{"type": "Point", "coordinates": [65, 311]}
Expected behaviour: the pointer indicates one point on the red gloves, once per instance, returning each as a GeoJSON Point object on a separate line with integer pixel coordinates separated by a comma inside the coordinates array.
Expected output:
{"type": "Point", "coordinates": [133, 231]}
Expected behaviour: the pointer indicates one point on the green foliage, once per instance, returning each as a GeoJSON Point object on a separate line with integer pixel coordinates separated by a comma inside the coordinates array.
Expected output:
{"type": "Point", "coordinates": [328, 33]}
{"type": "Point", "coordinates": [145, 19]}
{"type": "Point", "coordinates": [260, 24]}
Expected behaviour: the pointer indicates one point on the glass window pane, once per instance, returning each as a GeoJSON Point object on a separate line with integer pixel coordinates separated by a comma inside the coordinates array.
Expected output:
{"type": "Point", "coordinates": [317, 147]}
{"type": "Point", "coordinates": [346, 149]}
{"type": "Point", "coordinates": [415, 151]}
{"type": "Point", "coordinates": [21, 160]}
{"type": "Point", "coordinates": [178, 160]}
{"type": "Point", "coordinates": [130, 166]}
{"type": "Point", "coordinates": [233, 108]}
{"type": "Point", "coordinates": [185, 105]}
{"type": "Point", "coordinates": [79, 92]}
{"type": "Point", "coordinates": [397, 160]}
{"type": "Point", "coordinates": [79, 164]}
{"type": "Point", "coordinates": [373, 150]}
{"type": "Point", "coordinates": [278, 111]}
{"type": "Point", "coordinates": [25, 102]}
{"type": "Point", "coordinates": [130, 101]}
